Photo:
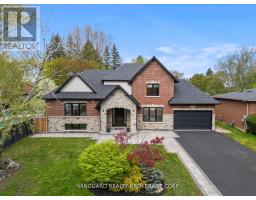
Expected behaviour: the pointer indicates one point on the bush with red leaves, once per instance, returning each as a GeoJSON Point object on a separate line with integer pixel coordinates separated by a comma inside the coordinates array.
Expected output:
{"type": "Point", "coordinates": [146, 153]}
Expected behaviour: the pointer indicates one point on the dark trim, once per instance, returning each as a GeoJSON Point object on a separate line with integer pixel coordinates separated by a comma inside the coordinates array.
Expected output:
{"type": "Point", "coordinates": [70, 79]}
{"type": "Point", "coordinates": [210, 104]}
{"type": "Point", "coordinates": [242, 100]}
{"type": "Point", "coordinates": [198, 103]}
{"type": "Point", "coordinates": [155, 114]}
{"type": "Point", "coordinates": [151, 60]}
{"type": "Point", "coordinates": [72, 110]}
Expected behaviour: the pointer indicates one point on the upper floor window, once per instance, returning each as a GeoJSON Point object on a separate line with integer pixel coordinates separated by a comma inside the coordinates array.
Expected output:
{"type": "Point", "coordinates": [153, 89]}
{"type": "Point", "coordinates": [75, 109]}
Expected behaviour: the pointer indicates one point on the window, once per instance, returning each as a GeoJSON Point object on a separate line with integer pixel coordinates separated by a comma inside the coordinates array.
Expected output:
{"type": "Point", "coordinates": [75, 126]}
{"type": "Point", "coordinates": [152, 114]}
{"type": "Point", "coordinates": [152, 89]}
{"type": "Point", "coordinates": [75, 109]}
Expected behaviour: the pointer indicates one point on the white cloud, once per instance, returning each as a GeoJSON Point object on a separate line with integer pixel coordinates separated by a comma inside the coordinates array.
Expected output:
{"type": "Point", "coordinates": [191, 61]}
{"type": "Point", "coordinates": [165, 49]}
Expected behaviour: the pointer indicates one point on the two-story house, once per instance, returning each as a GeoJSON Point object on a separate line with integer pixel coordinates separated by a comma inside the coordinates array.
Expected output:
{"type": "Point", "coordinates": [132, 97]}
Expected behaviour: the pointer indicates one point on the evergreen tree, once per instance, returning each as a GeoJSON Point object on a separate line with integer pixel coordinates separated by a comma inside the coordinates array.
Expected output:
{"type": "Point", "coordinates": [56, 48]}
{"type": "Point", "coordinates": [116, 60]}
{"type": "Point", "coordinates": [90, 54]}
{"type": "Point", "coordinates": [106, 58]}
{"type": "Point", "coordinates": [72, 50]}
{"type": "Point", "coordinates": [139, 60]}
{"type": "Point", "coordinates": [209, 72]}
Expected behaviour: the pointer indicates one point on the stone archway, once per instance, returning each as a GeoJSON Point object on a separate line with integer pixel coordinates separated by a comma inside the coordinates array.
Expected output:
{"type": "Point", "coordinates": [118, 100]}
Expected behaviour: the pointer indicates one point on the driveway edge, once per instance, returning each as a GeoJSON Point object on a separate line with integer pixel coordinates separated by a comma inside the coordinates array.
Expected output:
{"type": "Point", "coordinates": [203, 182]}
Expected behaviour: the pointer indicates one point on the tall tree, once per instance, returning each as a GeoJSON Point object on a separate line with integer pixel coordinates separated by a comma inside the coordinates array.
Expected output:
{"type": "Point", "coordinates": [56, 48]}
{"type": "Point", "coordinates": [79, 36]}
{"type": "Point", "coordinates": [139, 60]}
{"type": "Point", "coordinates": [200, 81]}
{"type": "Point", "coordinates": [89, 53]}
{"type": "Point", "coordinates": [177, 74]}
{"type": "Point", "coordinates": [239, 68]}
{"type": "Point", "coordinates": [209, 72]}
{"type": "Point", "coordinates": [116, 60]}
{"type": "Point", "coordinates": [15, 108]}
{"type": "Point", "coordinates": [106, 58]}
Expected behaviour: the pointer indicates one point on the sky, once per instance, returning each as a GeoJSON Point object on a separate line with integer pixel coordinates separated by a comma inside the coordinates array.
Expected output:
{"type": "Point", "coordinates": [187, 38]}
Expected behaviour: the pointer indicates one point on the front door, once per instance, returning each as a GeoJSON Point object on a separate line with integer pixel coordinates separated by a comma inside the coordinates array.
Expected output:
{"type": "Point", "coordinates": [118, 117]}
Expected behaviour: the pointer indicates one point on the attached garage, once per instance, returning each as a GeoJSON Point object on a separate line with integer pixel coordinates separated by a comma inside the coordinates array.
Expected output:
{"type": "Point", "coordinates": [189, 119]}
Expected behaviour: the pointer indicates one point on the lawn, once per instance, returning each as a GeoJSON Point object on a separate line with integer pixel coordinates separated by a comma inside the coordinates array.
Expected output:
{"type": "Point", "coordinates": [50, 167]}
{"type": "Point", "coordinates": [241, 137]}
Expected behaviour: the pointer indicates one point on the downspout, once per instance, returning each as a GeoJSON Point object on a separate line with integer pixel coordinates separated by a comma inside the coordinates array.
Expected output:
{"type": "Point", "coordinates": [247, 113]}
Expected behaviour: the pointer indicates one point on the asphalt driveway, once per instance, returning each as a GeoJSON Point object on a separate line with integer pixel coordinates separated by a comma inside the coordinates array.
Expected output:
{"type": "Point", "coordinates": [230, 166]}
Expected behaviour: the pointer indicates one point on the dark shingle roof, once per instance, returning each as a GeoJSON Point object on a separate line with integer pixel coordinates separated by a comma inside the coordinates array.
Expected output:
{"type": "Point", "coordinates": [186, 93]}
{"type": "Point", "coordinates": [124, 73]}
{"type": "Point", "coordinates": [245, 95]}
{"type": "Point", "coordinates": [94, 79]}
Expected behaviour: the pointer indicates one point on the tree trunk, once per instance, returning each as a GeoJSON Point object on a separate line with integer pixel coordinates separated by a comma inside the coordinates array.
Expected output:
{"type": "Point", "coordinates": [1, 151]}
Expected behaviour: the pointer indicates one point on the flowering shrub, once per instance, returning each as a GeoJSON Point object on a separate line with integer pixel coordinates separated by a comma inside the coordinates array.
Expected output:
{"type": "Point", "coordinates": [122, 138]}
{"type": "Point", "coordinates": [157, 140]}
{"type": "Point", "coordinates": [146, 153]}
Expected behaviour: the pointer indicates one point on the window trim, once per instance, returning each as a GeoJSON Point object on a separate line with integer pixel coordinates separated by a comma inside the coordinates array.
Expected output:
{"type": "Point", "coordinates": [72, 129]}
{"type": "Point", "coordinates": [72, 110]}
{"type": "Point", "coordinates": [155, 115]}
{"type": "Point", "coordinates": [150, 95]}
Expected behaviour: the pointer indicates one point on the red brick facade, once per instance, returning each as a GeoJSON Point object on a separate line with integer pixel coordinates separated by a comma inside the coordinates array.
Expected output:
{"type": "Point", "coordinates": [56, 108]}
{"type": "Point", "coordinates": [230, 110]}
{"type": "Point", "coordinates": [154, 73]}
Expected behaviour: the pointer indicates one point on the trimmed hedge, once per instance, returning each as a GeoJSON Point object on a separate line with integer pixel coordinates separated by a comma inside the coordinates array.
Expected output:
{"type": "Point", "coordinates": [251, 123]}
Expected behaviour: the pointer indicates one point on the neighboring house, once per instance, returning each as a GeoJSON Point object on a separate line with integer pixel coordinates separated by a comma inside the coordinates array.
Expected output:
{"type": "Point", "coordinates": [236, 106]}
{"type": "Point", "coordinates": [134, 97]}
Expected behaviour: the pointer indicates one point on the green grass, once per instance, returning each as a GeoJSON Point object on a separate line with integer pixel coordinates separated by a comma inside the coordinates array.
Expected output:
{"type": "Point", "coordinates": [176, 173]}
{"type": "Point", "coordinates": [241, 137]}
{"type": "Point", "coordinates": [49, 166]}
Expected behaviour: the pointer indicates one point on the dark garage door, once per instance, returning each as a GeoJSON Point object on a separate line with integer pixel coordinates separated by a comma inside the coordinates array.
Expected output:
{"type": "Point", "coordinates": [192, 120]}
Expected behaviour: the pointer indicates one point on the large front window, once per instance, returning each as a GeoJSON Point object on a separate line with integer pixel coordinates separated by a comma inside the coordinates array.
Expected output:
{"type": "Point", "coordinates": [70, 127]}
{"type": "Point", "coordinates": [152, 89]}
{"type": "Point", "coordinates": [75, 109]}
{"type": "Point", "coordinates": [152, 114]}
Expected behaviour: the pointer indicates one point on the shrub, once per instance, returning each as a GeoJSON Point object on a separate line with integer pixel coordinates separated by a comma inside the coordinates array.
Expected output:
{"type": "Point", "coordinates": [251, 123]}
{"type": "Point", "coordinates": [133, 180]}
{"type": "Point", "coordinates": [103, 163]}
{"type": "Point", "coordinates": [154, 180]}
{"type": "Point", "coordinates": [122, 138]}
{"type": "Point", "coordinates": [146, 153]}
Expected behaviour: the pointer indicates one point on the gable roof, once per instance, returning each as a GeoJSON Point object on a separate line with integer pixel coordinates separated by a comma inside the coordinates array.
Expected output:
{"type": "Point", "coordinates": [245, 95]}
{"type": "Point", "coordinates": [92, 78]}
{"type": "Point", "coordinates": [129, 96]}
{"type": "Point", "coordinates": [186, 93]}
{"type": "Point", "coordinates": [129, 71]}
{"type": "Point", "coordinates": [69, 79]}
{"type": "Point", "coordinates": [161, 65]}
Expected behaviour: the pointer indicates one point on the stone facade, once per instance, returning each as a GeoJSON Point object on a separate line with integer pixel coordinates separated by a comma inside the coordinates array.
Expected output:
{"type": "Point", "coordinates": [118, 100]}
{"type": "Point", "coordinates": [166, 124]}
{"type": "Point", "coordinates": [57, 123]}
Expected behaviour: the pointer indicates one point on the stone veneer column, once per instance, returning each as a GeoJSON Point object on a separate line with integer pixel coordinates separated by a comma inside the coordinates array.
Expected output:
{"type": "Point", "coordinates": [118, 100]}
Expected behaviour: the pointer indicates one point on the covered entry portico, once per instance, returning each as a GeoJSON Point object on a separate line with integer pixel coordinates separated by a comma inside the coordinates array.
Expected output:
{"type": "Point", "coordinates": [118, 111]}
{"type": "Point", "coordinates": [119, 118]}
